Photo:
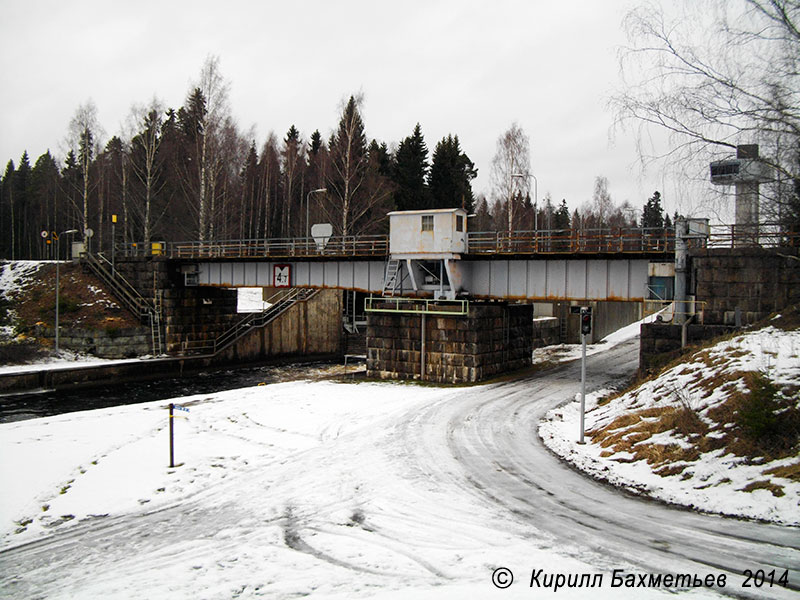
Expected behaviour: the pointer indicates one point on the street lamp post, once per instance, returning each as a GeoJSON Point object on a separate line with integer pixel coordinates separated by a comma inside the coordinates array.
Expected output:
{"type": "Point", "coordinates": [308, 200]}
{"type": "Point", "coordinates": [58, 286]}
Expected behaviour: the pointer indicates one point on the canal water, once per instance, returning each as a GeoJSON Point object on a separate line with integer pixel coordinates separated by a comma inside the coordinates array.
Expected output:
{"type": "Point", "coordinates": [20, 407]}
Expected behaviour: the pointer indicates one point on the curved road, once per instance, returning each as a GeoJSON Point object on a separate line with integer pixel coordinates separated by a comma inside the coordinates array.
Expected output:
{"type": "Point", "coordinates": [492, 432]}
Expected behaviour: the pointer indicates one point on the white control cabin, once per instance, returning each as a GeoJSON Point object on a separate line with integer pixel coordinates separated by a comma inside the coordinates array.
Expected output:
{"type": "Point", "coordinates": [432, 233]}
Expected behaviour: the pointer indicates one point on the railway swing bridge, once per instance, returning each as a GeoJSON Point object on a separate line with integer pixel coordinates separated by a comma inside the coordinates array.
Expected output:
{"type": "Point", "coordinates": [476, 289]}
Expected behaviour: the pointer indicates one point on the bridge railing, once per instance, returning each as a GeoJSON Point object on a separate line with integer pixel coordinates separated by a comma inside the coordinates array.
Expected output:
{"type": "Point", "coordinates": [764, 235]}
{"type": "Point", "coordinates": [569, 241]}
{"type": "Point", "coordinates": [363, 245]}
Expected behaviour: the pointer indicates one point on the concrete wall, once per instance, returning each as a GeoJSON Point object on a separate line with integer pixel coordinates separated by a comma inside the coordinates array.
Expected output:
{"type": "Point", "coordinates": [312, 327]}
{"type": "Point", "coordinates": [661, 342]}
{"type": "Point", "coordinates": [491, 339]}
{"type": "Point", "coordinates": [546, 332]}
{"type": "Point", "coordinates": [755, 281]}
{"type": "Point", "coordinates": [607, 317]}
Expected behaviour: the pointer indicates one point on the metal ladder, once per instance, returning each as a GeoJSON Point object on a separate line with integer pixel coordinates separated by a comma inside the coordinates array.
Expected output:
{"type": "Point", "coordinates": [390, 281]}
{"type": "Point", "coordinates": [155, 325]}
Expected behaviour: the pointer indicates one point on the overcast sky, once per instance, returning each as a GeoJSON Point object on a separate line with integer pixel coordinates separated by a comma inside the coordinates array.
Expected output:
{"type": "Point", "coordinates": [467, 68]}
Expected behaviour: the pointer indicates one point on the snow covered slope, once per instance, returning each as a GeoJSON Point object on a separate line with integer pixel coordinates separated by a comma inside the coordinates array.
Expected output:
{"type": "Point", "coordinates": [675, 437]}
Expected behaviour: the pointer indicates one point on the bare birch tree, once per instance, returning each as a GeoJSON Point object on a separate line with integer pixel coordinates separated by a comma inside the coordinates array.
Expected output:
{"type": "Point", "coordinates": [83, 139]}
{"type": "Point", "coordinates": [718, 74]}
{"type": "Point", "coordinates": [511, 170]}
{"type": "Point", "coordinates": [204, 120]}
{"type": "Point", "coordinates": [357, 193]}
{"type": "Point", "coordinates": [146, 161]}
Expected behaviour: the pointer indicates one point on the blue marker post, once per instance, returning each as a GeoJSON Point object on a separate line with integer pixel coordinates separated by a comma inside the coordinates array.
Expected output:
{"type": "Point", "coordinates": [172, 417]}
{"type": "Point", "coordinates": [171, 437]}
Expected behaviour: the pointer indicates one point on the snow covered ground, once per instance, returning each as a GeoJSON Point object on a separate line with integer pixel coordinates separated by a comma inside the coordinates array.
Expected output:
{"type": "Point", "coordinates": [714, 481]}
{"type": "Point", "coordinates": [285, 490]}
{"type": "Point", "coordinates": [307, 488]}
{"type": "Point", "coordinates": [12, 276]}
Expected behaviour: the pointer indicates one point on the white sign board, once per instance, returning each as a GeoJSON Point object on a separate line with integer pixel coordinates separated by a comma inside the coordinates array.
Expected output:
{"type": "Point", "coordinates": [281, 276]}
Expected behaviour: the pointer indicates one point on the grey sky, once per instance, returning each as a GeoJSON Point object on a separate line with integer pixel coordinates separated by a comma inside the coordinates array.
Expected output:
{"type": "Point", "coordinates": [468, 68]}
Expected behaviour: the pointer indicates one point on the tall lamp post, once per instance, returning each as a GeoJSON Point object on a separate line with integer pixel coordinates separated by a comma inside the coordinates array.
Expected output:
{"type": "Point", "coordinates": [308, 200]}
{"type": "Point", "coordinates": [58, 257]}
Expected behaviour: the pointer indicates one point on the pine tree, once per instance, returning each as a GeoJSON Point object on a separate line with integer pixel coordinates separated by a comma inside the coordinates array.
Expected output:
{"type": "Point", "coordinates": [411, 172]}
{"type": "Point", "coordinates": [450, 176]}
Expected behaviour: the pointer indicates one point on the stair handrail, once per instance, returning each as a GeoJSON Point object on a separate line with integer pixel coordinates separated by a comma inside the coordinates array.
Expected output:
{"type": "Point", "coordinates": [283, 300]}
{"type": "Point", "coordinates": [125, 291]}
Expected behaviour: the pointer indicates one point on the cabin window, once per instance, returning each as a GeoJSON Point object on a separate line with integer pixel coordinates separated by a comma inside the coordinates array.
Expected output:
{"type": "Point", "coordinates": [427, 222]}
{"type": "Point", "coordinates": [459, 223]}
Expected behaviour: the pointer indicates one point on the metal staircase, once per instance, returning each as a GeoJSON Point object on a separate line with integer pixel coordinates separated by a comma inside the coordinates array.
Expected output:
{"type": "Point", "coordinates": [280, 303]}
{"type": "Point", "coordinates": [391, 281]}
{"type": "Point", "coordinates": [129, 297]}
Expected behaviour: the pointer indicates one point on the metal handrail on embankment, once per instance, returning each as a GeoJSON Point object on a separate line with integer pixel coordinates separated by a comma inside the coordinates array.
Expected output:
{"type": "Point", "coordinates": [120, 287]}
{"type": "Point", "coordinates": [128, 295]}
{"type": "Point", "coordinates": [279, 304]}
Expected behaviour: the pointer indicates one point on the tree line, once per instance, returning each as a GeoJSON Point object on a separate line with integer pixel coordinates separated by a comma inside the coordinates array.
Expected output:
{"type": "Point", "coordinates": [191, 174]}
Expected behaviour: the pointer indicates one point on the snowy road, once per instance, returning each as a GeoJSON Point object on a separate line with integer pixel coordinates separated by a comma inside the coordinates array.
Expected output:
{"type": "Point", "coordinates": [508, 464]}
{"type": "Point", "coordinates": [366, 490]}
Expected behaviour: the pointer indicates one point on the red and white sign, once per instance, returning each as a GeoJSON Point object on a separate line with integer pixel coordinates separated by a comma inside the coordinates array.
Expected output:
{"type": "Point", "coordinates": [282, 276]}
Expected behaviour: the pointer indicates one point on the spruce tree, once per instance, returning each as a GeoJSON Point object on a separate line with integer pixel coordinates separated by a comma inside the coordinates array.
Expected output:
{"type": "Point", "coordinates": [653, 213]}
{"type": "Point", "coordinates": [315, 143]}
{"type": "Point", "coordinates": [21, 205]}
{"type": "Point", "coordinates": [561, 216]}
{"type": "Point", "coordinates": [6, 210]}
{"type": "Point", "coordinates": [450, 176]}
{"type": "Point", "coordinates": [410, 173]}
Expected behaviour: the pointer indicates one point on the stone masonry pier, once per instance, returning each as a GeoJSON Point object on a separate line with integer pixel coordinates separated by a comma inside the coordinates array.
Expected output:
{"type": "Point", "coordinates": [493, 338]}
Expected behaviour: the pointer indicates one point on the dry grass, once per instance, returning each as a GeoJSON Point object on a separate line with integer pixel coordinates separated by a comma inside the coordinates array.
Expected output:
{"type": "Point", "coordinates": [670, 470]}
{"type": "Point", "coordinates": [80, 307]}
{"type": "Point", "coordinates": [791, 471]}
{"type": "Point", "coordinates": [764, 484]}
{"type": "Point", "coordinates": [629, 434]}
{"type": "Point", "coordinates": [717, 428]}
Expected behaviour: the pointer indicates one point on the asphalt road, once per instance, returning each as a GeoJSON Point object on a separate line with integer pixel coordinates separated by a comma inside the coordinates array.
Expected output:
{"type": "Point", "coordinates": [492, 433]}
